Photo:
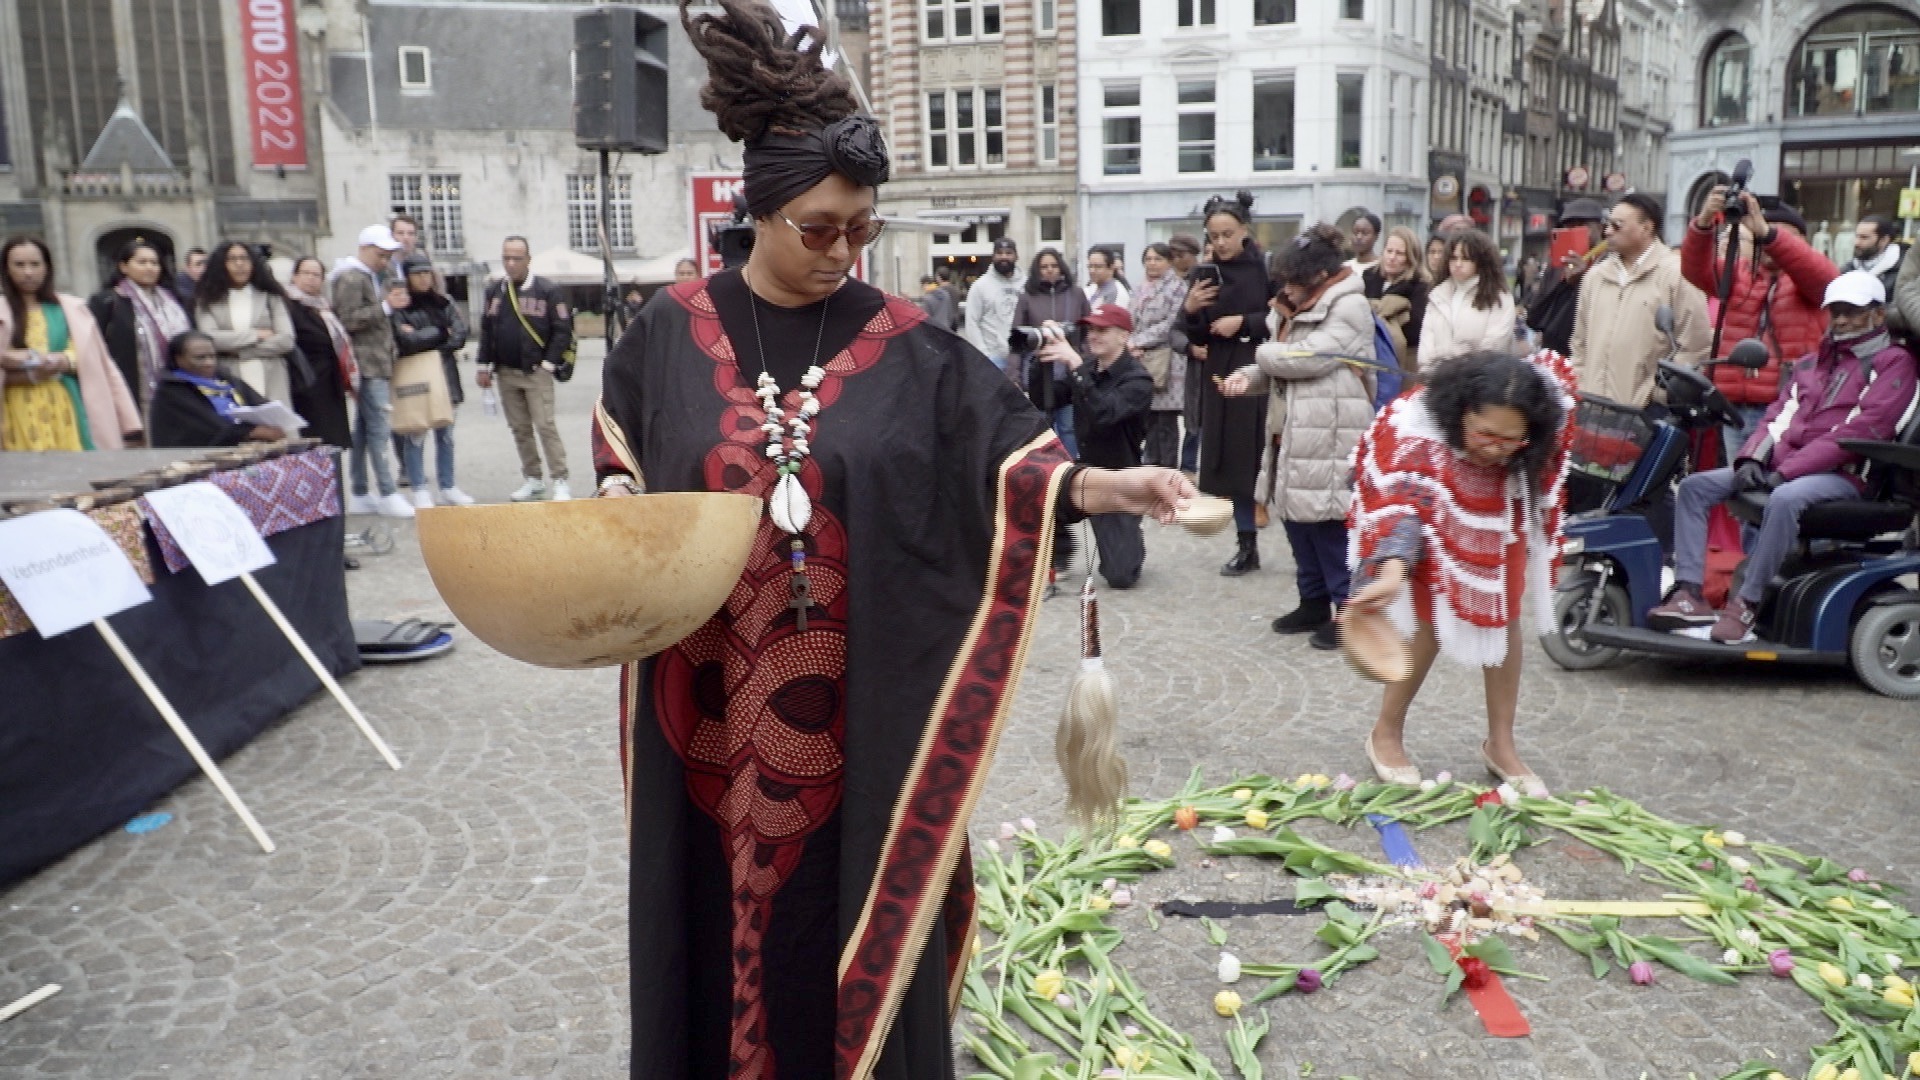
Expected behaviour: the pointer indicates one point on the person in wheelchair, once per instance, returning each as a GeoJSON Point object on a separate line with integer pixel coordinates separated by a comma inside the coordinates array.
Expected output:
{"type": "Point", "coordinates": [1857, 385]}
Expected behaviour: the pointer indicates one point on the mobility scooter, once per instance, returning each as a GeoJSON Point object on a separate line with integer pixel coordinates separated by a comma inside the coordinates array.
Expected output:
{"type": "Point", "coordinates": [1847, 596]}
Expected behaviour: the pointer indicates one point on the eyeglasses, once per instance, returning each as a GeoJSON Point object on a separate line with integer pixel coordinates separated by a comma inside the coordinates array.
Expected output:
{"type": "Point", "coordinates": [818, 236]}
{"type": "Point", "coordinates": [1611, 225]}
{"type": "Point", "coordinates": [1489, 440]}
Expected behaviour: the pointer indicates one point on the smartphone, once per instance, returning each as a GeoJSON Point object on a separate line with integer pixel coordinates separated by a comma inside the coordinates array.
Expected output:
{"type": "Point", "coordinates": [1571, 240]}
{"type": "Point", "coordinates": [1205, 273]}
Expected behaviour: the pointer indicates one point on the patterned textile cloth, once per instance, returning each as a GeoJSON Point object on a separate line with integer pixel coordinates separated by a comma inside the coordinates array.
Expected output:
{"type": "Point", "coordinates": [278, 494]}
{"type": "Point", "coordinates": [1467, 514]}
{"type": "Point", "coordinates": [123, 522]}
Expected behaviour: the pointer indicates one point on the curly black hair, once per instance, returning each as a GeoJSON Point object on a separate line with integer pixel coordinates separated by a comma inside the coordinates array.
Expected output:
{"type": "Point", "coordinates": [759, 79]}
{"type": "Point", "coordinates": [215, 284]}
{"type": "Point", "coordinates": [1312, 255]}
{"type": "Point", "coordinates": [1478, 380]}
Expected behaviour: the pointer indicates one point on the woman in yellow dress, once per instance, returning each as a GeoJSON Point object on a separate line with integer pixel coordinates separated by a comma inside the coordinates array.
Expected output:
{"type": "Point", "coordinates": [61, 389]}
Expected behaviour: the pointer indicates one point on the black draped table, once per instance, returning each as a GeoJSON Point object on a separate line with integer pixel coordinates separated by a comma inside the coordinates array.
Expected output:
{"type": "Point", "coordinates": [82, 751]}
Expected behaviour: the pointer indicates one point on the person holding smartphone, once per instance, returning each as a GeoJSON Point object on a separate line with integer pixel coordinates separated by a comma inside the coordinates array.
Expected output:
{"type": "Point", "coordinates": [1550, 306]}
{"type": "Point", "coordinates": [1226, 313]}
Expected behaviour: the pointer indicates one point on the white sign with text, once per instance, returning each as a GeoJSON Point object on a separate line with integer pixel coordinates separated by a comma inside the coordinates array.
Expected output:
{"type": "Point", "coordinates": [216, 535]}
{"type": "Point", "coordinates": [65, 570]}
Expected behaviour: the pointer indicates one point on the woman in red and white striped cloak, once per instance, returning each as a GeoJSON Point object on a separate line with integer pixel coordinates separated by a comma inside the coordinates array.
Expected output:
{"type": "Point", "coordinates": [1458, 498]}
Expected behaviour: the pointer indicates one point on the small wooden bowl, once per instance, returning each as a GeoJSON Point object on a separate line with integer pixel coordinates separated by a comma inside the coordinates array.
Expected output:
{"type": "Point", "coordinates": [1206, 515]}
{"type": "Point", "coordinates": [1372, 646]}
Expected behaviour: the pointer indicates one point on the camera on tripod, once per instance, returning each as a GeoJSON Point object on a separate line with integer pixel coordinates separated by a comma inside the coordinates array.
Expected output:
{"type": "Point", "coordinates": [1737, 187]}
{"type": "Point", "coordinates": [1033, 337]}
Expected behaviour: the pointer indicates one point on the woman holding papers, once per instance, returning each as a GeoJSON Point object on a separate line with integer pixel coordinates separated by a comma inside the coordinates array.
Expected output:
{"type": "Point", "coordinates": [194, 406]}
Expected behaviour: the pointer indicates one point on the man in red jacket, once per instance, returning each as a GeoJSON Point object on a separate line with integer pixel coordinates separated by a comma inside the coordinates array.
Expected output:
{"type": "Point", "coordinates": [1776, 298]}
{"type": "Point", "coordinates": [1858, 385]}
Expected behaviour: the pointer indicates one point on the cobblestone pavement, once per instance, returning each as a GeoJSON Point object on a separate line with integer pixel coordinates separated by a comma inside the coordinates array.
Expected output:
{"type": "Point", "coordinates": [466, 916]}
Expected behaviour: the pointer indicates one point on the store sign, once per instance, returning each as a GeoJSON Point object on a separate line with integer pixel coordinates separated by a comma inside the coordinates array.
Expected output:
{"type": "Point", "coordinates": [274, 111]}
{"type": "Point", "coordinates": [1910, 202]}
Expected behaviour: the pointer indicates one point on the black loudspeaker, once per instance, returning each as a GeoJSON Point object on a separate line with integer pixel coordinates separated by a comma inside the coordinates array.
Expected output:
{"type": "Point", "coordinates": [620, 80]}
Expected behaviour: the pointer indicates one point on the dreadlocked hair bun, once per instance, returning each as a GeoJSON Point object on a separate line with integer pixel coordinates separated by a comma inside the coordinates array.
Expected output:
{"type": "Point", "coordinates": [758, 78]}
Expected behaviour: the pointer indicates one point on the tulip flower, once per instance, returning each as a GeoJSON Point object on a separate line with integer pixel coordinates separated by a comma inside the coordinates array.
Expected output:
{"type": "Point", "coordinates": [1099, 903]}
{"type": "Point", "coordinates": [1738, 864]}
{"type": "Point", "coordinates": [1049, 983]}
{"type": "Point", "coordinates": [1321, 779]}
{"type": "Point", "coordinates": [1730, 957]}
{"type": "Point", "coordinates": [1898, 995]}
{"type": "Point", "coordinates": [1123, 1056]}
{"type": "Point", "coordinates": [1159, 849]}
{"type": "Point", "coordinates": [1733, 839]}
{"type": "Point", "coordinates": [1007, 831]}
{"type": "Point", "coordinates": [1126, 842]}
{"type": "Point", "coordinates": [1858, 876]}
{"type": "Point", "coordinates": [1839, 903]}
{"type": "Point", "coordinates": [1508, 796]}
{"type": "Point", "coordinates": [1123, 897]}
{"type": "Point", "coordinates": [1749, 937]}
{"type": "Point", "coordinates": [1893, 961]}
{"type": "Point", "coordinates": [1475, 970]}
{"type": "Point", "coordinates": [1895, 980]}
{"type": "Point", "coordinates": [1185, 818]}
{"type": "Point", "coordinates": [1305, 779]}
{"type": "Point", "coordinates": [1226, 1003]}
{"type": "Point", "coordinates": [993, 845]}
{"type": "Point", "coordinates": [1713, 839]}
{"type": "Point", "coordinates": [1229, 968]}
{"type": "Point", "coordinates": [1780, 962]}
{"type": "Point", "coordinates": [1109, 885]}
{"type": "Point", "coordinates": [1863, 981]}
{"type": "Point", "coordinates": [1307, 981]}
{"type": "Point", "coordinates": [1641, 973]}
{"type": "Point", "coordinates": [1428, 784]}
{"type": "Point", "coordinates": [1828, 1071]}
{"type": "Point", "coordinates": [1222, 834]}
{"type": "Point", "coordinates": [1850, 1074]}
{"type": "Point", "coordinates": [1443, 776]}
{"type": "Point", "coordinates": [1913, 1063]}
{"type": "Point", "coordinates": [1832, 976]}
{"type": "Point", "coordinates": [1257, 819]}
{"type": "Point", "coordinates": [1343, 782]}
{"type": "Point", "coordinates": [1242, 794]}
{"type": "Point", "coordinates": [1486, 798]}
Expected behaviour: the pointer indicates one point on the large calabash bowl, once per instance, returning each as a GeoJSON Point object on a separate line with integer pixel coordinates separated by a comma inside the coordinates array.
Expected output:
{"type": "Point", "coordinates": [592, 582]}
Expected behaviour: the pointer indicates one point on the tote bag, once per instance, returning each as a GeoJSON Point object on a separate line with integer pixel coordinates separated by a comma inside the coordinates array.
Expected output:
{"type": "Point", "coordinates": [420, 399]}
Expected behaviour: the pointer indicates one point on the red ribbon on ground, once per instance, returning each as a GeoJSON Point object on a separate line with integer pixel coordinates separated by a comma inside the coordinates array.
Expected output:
{"type": "Point", "coordinates": [1499, 1013]}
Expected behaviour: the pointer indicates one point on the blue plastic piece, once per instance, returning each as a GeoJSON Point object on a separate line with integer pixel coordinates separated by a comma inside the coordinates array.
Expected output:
{"type": "Point", "coordinates": [146, 823]}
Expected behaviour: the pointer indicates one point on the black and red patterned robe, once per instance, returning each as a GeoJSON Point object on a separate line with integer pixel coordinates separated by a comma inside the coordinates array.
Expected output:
{"type": "Point", "coordinates": [797, 800]}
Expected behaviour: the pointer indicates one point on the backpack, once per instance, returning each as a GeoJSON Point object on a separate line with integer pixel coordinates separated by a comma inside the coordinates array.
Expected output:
{"type": "Point", "coordinates": [1387, 374]}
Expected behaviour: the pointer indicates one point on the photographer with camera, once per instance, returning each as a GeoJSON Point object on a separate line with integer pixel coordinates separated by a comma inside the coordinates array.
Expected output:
{"type": "Point", "coordinates": [1050, 309]}
{"type": "Point", "coordinates": [1111, 396]}
{"type": "Point", "coordinates": [1773, 296]}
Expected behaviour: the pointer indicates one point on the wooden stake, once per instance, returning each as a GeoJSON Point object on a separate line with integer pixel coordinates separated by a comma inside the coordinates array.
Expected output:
{"type": "Point", "coordinates": [28, 1002]}
{"type": "Point", "coordinates": [326, 677]}
{"type": "Point", "coordinates": [181, 732]}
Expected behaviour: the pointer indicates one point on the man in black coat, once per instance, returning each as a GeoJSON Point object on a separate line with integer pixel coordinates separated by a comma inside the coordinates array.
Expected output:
{"type": "Point", "coordinates": [1112, 394]}
{"type": "Point", "coordinates": [1551, 305]}
{"type": "Point", "coordinates": [526, 345]}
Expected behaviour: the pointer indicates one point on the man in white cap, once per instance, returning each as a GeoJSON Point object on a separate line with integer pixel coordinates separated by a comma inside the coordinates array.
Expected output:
{"type": "Point", "coordinates": [1859, 384]}
{"type": "Point", "coordinates": [357, 302]}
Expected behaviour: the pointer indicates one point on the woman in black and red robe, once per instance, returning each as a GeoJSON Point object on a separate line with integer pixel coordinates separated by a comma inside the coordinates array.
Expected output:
{"type": "Point", "coordinates": [800, 770]}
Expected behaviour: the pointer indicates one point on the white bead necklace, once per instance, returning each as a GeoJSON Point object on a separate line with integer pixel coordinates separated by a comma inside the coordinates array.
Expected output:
{"type": "Point", "coordinates": [787, 447]}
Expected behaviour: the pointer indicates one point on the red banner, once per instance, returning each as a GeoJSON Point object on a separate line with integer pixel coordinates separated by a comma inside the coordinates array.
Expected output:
{"type": "Point", "coordinates": [274, 107]}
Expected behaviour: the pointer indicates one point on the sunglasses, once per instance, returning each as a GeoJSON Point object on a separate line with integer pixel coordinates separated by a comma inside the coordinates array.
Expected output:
{"type": "Point", "coordinates": [1489, 440]}
{"type": "Point", "coordinates": [820, 236]}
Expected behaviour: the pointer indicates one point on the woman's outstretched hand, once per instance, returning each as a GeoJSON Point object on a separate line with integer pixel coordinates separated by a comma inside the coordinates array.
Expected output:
{"type": "Point", "coordinates": [1150, 492]}
{"type": "Point", "coordinates": [1382, 589]}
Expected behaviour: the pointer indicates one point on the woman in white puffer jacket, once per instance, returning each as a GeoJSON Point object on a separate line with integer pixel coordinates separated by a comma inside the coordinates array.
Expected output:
{"type": "Point", "coordinates": [1316, 366]}
{"type": "Point", "coordinates": [1471, 311]}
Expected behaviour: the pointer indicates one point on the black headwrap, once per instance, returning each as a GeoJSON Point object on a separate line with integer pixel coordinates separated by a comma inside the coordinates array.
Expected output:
{"type": "Point", "coordinates": [780, 167]}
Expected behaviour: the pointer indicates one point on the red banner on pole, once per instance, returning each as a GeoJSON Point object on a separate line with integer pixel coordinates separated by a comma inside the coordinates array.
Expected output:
{"type": "Point", "coordinates": [275, 110]}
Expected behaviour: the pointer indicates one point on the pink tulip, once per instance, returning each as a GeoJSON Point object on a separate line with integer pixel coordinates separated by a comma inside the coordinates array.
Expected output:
{"type": "Point", "coordinates": [1750, 885]}
{"type": "Point", "coordinates": [1343, 782]}
{"type": "Point", "coordinates": [1007, 831]}
{"type": "Point", "coordinates": [1307, 981]}
{"type": "Point", "coordinates": [1780, 962]}
{"type": "Point", "coordinates": [1641, 973]}
{"type": "Point", "coordinates": [1858, 876]}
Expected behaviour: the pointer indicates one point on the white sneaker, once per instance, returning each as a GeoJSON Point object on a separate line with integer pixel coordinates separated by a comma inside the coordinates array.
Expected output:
{"type": "Point", "coordinates": [453, 496]}
{"type": "Point", "coordinates": [529, 491]}
{"type": "Point", "coordinates": [423, 499]}
{"type": "Point", "coordinates": [362, 504]}
{"type": "Point", "coordinates": [561, 492]}
{"type": "Point", "coordinates": [395, 506]}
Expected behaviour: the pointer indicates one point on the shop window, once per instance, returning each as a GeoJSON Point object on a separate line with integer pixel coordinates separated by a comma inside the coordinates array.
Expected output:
{"type": "Point", "coordinates": [1857, 62]}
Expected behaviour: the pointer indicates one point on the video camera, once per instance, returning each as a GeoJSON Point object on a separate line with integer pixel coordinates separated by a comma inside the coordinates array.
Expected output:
{"type": "Point", "coordinates": [733, 242]}
{"type": "Point", "coordinates": [1033, 337]}
{"type": "Point", "coordinates": [1736, 187]}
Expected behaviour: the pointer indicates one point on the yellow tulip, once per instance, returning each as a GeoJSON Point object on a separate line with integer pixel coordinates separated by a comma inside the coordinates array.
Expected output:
{"type": "Point", "coordinates": [1713, 840]}
{"type": "Point", "coordinates": [1895, 980]}
{"type": "Point", "coordinates": [1850, 1074]}
{"type": "Point", "coordinates": [1127, 842]}
{"type": "Point", "coordinates": [1305, 779]}
{"type": "Point", "coordinates": [1828, 1072]}
{"type": "Point", "coordinates": [1123, 1057]}
{"type": "Point", "coordinates": [1226, 1003]}
{"type": "Point", "coordinates": [1256, 819]}
{"type": "Point", "coordinates": [1913, 1063]}
{"type": "Point", "coordinates": [1839, 903]}
{"type": "Point", "coordinates": [1898, 995]}
{"type": "Point", "coordinates": [1100, 903]}
{"type": "Point", "coordinates": [1242, 794]}
{"type": "Point", "coordinates": [1159, 849]}
{"type": "Point", "coordinates": [1048, 984]}
{"type": "Point", "coordinates": [1321, 780]}
{"type": "Point", "coordinates": [1834, 977]}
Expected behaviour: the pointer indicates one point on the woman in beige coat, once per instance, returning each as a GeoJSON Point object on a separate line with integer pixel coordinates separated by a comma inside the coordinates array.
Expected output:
{"type": "Point", "coordinates": [241, 306]}
{"type": "Point", "coordinates": [1317, 366]}
{"type": "Point", "coordinates": [1471, 311]}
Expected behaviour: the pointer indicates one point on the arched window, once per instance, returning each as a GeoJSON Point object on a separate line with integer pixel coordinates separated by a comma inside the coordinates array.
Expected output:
{"type": "Point", "coordinates": [1859, 61]}
{"type": "Point", "coordinates": [1726, 91]}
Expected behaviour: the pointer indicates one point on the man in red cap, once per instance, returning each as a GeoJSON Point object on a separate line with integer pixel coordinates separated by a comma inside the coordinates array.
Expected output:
{"type": "Point", "coordinates": [1112, 394]}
